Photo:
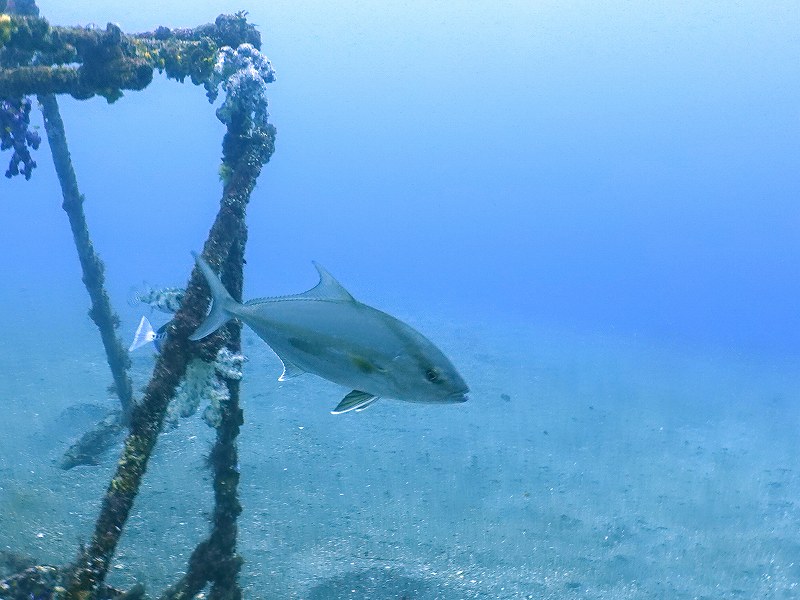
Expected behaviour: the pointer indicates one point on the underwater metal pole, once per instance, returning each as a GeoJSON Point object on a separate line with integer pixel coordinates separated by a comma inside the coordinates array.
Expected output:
{"type": "Point", "coordinates": [247, 150]}
{"type": "Point", "coordinates": [214, 559]}
{"type": "Point", "coordinates": [93, 269]}
{"type": "Point", "coordinates": [224, 458]}
{"type": "Point", "coordinates": [101, 312]}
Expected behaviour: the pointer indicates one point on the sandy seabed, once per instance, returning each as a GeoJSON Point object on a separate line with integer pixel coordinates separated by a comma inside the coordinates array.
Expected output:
{"type": "Point", "coordinates": [584, 466]}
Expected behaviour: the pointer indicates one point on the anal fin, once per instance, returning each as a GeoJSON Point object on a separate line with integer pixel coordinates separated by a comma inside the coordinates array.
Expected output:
{"type": "Point", "coordinates": [355, 400]}
{"type": "Point", "coordinates": [289, 370]}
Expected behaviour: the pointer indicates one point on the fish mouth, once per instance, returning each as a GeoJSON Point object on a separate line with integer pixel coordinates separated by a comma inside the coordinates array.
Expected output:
{"type": "Point", "coordinates": [457, 397]}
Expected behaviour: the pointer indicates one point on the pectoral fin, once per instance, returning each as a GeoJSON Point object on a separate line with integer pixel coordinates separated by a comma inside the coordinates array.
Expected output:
{"type": "Point", "coordinates": [355, 400]}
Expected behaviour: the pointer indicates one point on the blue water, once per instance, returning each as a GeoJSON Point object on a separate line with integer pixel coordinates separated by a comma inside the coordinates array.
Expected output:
{"type": "Point", "coordinates": [591, 209]}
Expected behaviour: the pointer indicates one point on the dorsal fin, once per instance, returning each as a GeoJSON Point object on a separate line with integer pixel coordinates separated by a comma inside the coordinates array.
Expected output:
{"type": "Point", "coordinates": [327, 289]}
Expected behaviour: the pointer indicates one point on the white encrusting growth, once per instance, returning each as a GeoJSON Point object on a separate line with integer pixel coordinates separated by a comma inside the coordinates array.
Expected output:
{"type": "Point", "coordinates": [204, 384]}
{"type": "Point", "coordinates": [243, 74]}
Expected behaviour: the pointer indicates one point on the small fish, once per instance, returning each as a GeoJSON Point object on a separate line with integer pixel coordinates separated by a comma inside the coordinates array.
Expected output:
{"type": "Point", "coordinates": [146, 334]}
{"type": "Point", "coordinates": [325, 331]}
{"type": "Point", "coordinates": [166, 300]}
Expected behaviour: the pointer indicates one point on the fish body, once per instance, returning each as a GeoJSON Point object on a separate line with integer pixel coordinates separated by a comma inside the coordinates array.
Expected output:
{"type": "Point", "coordinates": [325, 331]}
{"type": "Point", "coordinates": [167, 300]}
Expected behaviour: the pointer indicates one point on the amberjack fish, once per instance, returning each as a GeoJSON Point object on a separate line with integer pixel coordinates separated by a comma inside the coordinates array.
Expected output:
{"type": "Point", "coordinates": [327, 332]}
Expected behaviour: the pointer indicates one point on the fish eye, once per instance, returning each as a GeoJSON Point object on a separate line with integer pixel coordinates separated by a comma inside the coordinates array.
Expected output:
{"type": "Point", "coordinates": [432, 375]}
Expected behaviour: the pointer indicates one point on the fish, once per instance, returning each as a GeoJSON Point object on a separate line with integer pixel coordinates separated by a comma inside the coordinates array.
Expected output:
{"type": "Point", "coordinates": [146, 334]}
{"type": "Point", "coordinates": [167, 300]}
{"type": "Point", "coordinates": [327, 332]}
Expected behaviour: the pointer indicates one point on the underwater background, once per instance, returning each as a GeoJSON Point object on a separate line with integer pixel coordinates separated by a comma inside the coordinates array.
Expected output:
{"type": "Point", "coordinates": [591, 208]}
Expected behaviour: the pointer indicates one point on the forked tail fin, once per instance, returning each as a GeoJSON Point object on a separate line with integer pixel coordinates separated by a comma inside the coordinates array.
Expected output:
{"type": "Point", "coordinates": [143, 336]}
{"type": "Point", "coordinates": [221, 302]}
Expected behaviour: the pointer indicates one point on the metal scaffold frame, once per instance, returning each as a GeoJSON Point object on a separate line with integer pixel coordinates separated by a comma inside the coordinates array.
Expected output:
{"type": "Point", "coordinates": [39, 59]}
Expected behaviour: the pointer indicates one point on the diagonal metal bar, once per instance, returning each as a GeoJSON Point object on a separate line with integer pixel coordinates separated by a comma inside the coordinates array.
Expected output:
{"type": "Point", "coordinates": [248, 153]}
{"type": "Point", "coordinates": [101, 312]}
